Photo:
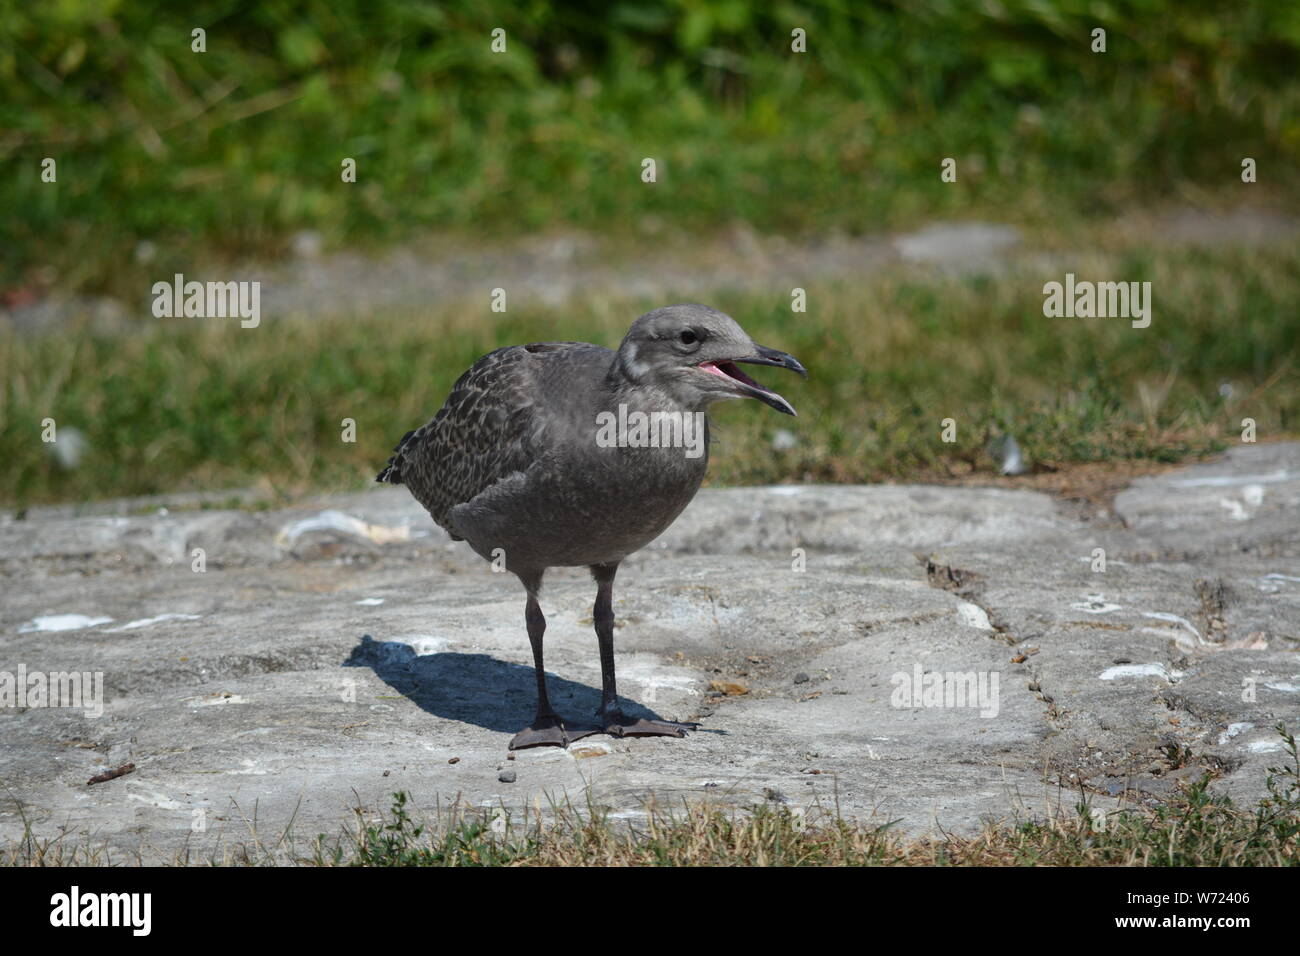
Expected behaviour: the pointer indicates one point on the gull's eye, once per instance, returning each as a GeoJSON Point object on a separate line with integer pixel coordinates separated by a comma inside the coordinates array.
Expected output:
{"type": "Point", "coordinates": [688, 337]}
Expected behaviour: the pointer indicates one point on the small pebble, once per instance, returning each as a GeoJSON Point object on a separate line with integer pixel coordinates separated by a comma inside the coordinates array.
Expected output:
{"type": "Point", "coordinates": [507, 776]}
{"type": "Point", "coordinates": [454, 760]}
{"type": "Point", "coordinates": [801, 678]}
{"type": "Point", "coordinates": [727, 688]}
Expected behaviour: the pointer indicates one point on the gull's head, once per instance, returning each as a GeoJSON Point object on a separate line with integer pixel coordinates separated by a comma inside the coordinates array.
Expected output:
{"type": "Point", "coordinates": [694, 352]}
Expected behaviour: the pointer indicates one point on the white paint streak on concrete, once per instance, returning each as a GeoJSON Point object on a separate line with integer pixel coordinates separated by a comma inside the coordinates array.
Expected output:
{"type": "Point", "coordinates": [1264, 746]}
{"type": "Point", "coordinates": [216, 700]}
{"type": "Point", "coordinates": [344, 524]}
{"type": "Point", "coordinates": [1138, 670]}
{"type": "Point", "coordinates": [1236, 510]}
{"type": "Point", "coordinates": [62, 622]}
{"type": "Point", "coordinates": [248, 768]}
{"type": "Point", "coordinates": [1232, 481]}
{"type": "Point", "coordinates": [147, 621]}
{"type": "Point", "coordinates": [1173, 619]}
{"type": "Point", "coordinates": [1235, 730]}
{"type": "Point", "coordinates": [423, 643]}
{"type": "Point", "coordinates": [155, 799]}
{"type": "Point", "coordinates": [1094, 604]}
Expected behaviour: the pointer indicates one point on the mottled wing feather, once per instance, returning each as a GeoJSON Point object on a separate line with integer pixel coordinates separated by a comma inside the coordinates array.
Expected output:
{"type": "Point", "coordinates": [487, 430]}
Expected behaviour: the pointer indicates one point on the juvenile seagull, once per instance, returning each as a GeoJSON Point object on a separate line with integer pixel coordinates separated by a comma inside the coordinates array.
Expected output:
{"type": "Point", "coordinates": [520, 463]}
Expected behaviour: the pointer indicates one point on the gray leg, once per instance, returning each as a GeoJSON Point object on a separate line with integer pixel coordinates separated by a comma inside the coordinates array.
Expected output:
{"type": "Point", "coordinates": [547, 728]}
{"type": "Point", "coordinates": [536, 631]}
{"type": "Point", "coordinates": [603, 617]}
{"type": "Point", "coordinates": [614, 720]}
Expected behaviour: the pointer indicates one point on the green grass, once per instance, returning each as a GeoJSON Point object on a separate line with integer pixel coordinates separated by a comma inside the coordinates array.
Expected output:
{"type": "Point", "coordinates": [228, 152]}
{"type": "Point", "coordinates": [1195, 827]}
{"type": "Point", "coordinates": [205, 405]}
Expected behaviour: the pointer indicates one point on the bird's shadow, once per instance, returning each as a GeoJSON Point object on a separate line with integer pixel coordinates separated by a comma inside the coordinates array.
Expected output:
{"type": "Point", "coordinates": [477, 688]}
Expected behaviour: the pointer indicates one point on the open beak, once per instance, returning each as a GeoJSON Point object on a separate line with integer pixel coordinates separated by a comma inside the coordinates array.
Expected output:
{"type": "Point", "coordinates": [746, 386]}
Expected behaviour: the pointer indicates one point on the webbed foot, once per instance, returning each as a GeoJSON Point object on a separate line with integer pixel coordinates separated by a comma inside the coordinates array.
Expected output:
{"type": "Point", "coordinates": [551, 730]}
{"type": "Point", "coordinates": [618, 724]}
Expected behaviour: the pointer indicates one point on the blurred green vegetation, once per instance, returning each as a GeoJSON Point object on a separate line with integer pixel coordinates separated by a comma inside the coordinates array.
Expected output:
{"type": "Point", "coordinates": [180, 407]}
{"type": "Point", "coordinates": [230, 151]}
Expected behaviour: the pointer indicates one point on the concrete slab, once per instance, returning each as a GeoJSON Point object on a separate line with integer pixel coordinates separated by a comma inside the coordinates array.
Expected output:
{"type": "Point", "coordinates": [931, 655]}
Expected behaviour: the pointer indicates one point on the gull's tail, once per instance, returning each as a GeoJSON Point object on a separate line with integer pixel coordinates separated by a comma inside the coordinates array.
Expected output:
{"type": "Point", "coordinates": [392, 473]}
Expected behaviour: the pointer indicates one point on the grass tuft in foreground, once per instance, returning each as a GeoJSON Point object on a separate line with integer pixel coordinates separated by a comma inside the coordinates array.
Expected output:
{"type": "Point", "coordinates": [1197, 828]}
{"type": "Point", "coordinates": [1194, 828]}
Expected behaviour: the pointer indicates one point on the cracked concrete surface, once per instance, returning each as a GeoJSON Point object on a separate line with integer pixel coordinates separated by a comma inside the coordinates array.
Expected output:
{"type": "Point", "coordinates": [335, 652]}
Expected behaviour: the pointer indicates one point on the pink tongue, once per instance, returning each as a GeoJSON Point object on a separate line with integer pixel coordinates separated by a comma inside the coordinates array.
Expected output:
{"type": "Point", "coordinates": [732, 372]}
